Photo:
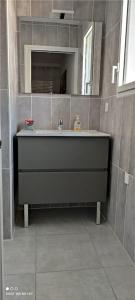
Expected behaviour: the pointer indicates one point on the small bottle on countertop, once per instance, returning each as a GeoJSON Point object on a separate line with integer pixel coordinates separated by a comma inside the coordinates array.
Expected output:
{"type": "Point", "coordinates": [77, 123]}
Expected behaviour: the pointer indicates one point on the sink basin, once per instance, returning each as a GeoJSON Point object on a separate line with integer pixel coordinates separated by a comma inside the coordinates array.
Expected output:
{"type": "Point", "coordinates": [64, 132]}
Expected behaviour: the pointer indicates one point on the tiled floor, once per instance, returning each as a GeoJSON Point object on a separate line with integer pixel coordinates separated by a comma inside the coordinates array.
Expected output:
{"type": "Point", "coordinates": [63, 255]}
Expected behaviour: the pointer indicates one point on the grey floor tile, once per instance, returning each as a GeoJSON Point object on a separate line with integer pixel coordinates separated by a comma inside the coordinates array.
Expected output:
{"type": "Point", "coordinates": [122, 280]}
{"type": "Point", "coordinates": [19, 287]}
{"type": "Point", "coordinates": [20, 231]}
{"type": "Point", "coordinates": [111, 252]}
{"type": "Point", "coordinates": [19, 255]}
{"type": "Point", "coordinates": [101, 231]}
{"type": "Point", "coordinates": [108, 246]}
{"type": "Point", "coordinates": [65, 252]}
{"type": "Point", "coordinates": [86, 285]}
{"type": "Point", "coordinates": [59, 221]}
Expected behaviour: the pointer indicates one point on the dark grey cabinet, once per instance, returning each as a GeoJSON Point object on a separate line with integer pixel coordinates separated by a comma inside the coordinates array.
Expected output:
{"type": "Point", "coordinates": [61, 170]}
{"type": "Point", "coordinates": [58, 153]}
{"type": "Point", "coordinates": [62, 187]}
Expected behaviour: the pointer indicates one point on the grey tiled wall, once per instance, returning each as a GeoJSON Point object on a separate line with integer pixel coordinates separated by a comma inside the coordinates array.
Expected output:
{"type": "Point", "coordinates": [1, 203]}
{"type": "Point", "coordinates": [8, 88]}
{"type": "Point", "coordinates": [47, 110]}
{"type": "Point", "coordinates": [120, 122]}
{"type": "Point", "coordinates": [5, 122]}
{"type": "Point", "coordinates": [13, 87]}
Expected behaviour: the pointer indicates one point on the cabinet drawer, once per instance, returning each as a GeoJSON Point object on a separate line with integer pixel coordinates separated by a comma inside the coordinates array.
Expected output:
{"type": "Point", "coordinates": [52, 153]}
{"type": "Point", "coordinates": [62, 187]}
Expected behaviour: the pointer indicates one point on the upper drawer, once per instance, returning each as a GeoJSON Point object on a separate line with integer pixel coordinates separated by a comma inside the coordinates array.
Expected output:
{"type": "Point", "coordinates": [53, 153]}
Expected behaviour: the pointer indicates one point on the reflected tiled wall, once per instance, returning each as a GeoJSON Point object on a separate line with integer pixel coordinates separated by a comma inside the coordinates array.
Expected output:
{"type": "Point", "coordinates": [47, 110]}
{"type": "Point", "coordinates": [33, 33]}
{"type": "Point", "coordinates": [120, 122]}
{"type": "Point", "coordinates": [93, 10]}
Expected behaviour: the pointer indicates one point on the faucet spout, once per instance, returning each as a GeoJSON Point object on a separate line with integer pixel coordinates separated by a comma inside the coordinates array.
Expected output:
{"type": "Point", "coordinates": [60, 124]}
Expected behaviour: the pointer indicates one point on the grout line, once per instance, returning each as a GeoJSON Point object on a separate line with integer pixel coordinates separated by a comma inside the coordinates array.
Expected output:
{"type": "Point", "coordinates": [69, 34]}
{"type": "Point", "coordinates": [30, 7]}
{"type": "Point", "coordinates": [89, 114]}
{"type": "Point", "coordinates": [71, 270]}
{"type": "Point", "coordinates": [124, 249]}
{"type": "Point", "coordinates": [32, 26]}
{"type": "Point", "coordinates": [70, 114]}
{"type": "Point", "coordinates": [111, 30]}
{"type": "Point", "coordinates": [108, 279]}
{"type": "Point", "coordinates": [57, 31]}
{"type": "Point", "coordinates": [117, 200]}
{"type": "Point", "coordinates": [125, 219]}
{"type": "Point", "coordinates": [105, 16]}
{"type": "Point", "coordinates": [92, 241]}
{"type": "Point", "coordinates": [31, 110]}
{"type": "Point", "coordinates": [51, 112]}
{"type": "Point", "coordinates": [93, 6]}
{"type": "Point", "coordinates": [59, 234]}
{"type": "Point", "coordinates": [18, 274]}
{"type": "Point", "coordinates": [50, 272]}
{"type": "Point", "coordinates": [35, 240]}
{"type": "Point", "coordinates": [35, 278]}
{"type": "Point", "coordinates": [46, 235]}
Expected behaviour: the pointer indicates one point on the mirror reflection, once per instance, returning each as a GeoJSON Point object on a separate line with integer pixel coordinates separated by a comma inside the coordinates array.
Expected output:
{"type": "Point", "coordinates": [61, 57]}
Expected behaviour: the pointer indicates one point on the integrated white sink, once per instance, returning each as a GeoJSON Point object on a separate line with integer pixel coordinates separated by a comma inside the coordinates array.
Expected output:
{"type": "Point", "coordinates": [65, 132]}
{"type": "Point", "coordinates": [41, 132]}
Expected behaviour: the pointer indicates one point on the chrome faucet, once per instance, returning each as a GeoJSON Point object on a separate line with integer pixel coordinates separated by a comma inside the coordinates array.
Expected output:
{"type": "Point", "coordinates": [60, 124]}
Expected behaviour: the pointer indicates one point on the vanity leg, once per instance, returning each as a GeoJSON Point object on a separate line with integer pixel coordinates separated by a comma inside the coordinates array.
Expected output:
{"type": "Point", "coordinates": [26, 215]}
{"type": "Point", "coordinates": [98, 217]}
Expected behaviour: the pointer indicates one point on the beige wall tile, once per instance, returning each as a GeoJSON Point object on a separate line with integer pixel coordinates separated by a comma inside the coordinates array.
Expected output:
{"type": "Point", "coordinates": [23, 7]}
{"type": "Point", "coordinates": [41, 112]}
{"type": "Point", "coordinates": [61, 110]}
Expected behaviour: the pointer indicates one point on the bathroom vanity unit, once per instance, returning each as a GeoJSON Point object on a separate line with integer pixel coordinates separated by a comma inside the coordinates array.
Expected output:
{"type": "Point", "coordinates": [62, 167]}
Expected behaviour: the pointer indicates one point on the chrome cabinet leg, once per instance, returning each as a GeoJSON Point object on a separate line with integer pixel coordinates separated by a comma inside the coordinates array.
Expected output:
{"type": "Point", "coordinates": [98, 217]}
{"type": "Point", "coordinates": [26, 215]}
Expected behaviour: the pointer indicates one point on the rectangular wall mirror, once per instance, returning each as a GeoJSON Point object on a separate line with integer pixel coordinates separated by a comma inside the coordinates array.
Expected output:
{"type": "Point", "coordinates": [62, 57]}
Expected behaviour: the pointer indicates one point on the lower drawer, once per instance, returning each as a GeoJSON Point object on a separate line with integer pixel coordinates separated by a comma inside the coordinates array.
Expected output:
{"type": "Point", "coordinates": [62, 187]}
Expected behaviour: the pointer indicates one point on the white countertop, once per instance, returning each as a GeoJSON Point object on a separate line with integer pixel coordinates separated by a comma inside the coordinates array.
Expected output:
{"type": "Point", "coordinates": [65, 133]}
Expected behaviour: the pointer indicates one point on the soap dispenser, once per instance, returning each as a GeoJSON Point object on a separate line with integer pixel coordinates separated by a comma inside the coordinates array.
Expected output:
{"type": "Point", "coordinates": [77, 123]}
